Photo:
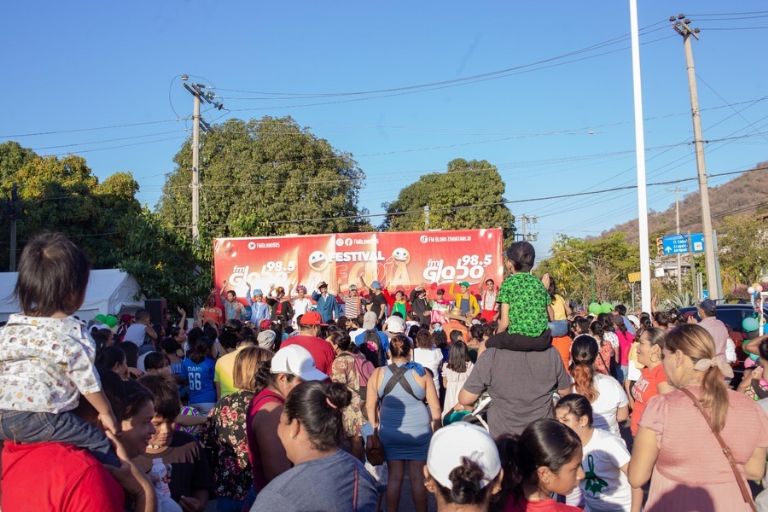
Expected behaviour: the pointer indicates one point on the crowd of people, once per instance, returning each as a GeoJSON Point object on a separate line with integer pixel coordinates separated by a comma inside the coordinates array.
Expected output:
{"type": "Point", "coordinates": [509, 399]}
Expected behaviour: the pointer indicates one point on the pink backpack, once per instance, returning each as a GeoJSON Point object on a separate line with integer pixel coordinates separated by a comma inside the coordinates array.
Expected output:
{"type": "Point", "coordinates": [364, 369]}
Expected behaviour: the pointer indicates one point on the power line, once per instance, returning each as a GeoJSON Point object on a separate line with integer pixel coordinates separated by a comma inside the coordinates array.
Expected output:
{"type": "Point", "coordinates": [103, 141]}
{"type": "Point", "coordinates": [95, 128]}
{"type": "Point", "coordinates": [435, 88]}
{"type": "Point", "coordinates": [485, 205]}
{"type": "Point", "coordinates": [119, 146]}
{"type": "Point", "coordinates": [488, 74]}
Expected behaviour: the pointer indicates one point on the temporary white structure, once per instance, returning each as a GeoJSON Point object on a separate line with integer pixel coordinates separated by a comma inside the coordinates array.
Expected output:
{"type": "Point", "coordinates": [108, 291]}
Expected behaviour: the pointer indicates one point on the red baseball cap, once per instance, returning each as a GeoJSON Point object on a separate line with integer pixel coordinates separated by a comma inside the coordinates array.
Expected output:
{"type": "Point", "coordinates": [265, 324]}
{"type": "Point", "coordinates": [311, 318]}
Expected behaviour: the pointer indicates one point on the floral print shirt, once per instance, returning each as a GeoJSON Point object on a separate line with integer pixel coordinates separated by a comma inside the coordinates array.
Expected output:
{"type": "Point", "coordinates": [45, 364]}
{"type": "Point", "coordinates": [343, 371]}
{"type": "Point", "coordinates": [225, 440]}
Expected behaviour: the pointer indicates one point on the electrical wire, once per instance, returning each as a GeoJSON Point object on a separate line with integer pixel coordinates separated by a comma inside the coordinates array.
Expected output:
{"type": "Point", "coordinates": [488, 74]}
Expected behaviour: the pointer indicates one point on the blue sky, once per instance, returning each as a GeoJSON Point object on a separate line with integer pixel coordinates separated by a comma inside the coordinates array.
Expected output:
{"type": "Point", "coordinates": [552, 130]}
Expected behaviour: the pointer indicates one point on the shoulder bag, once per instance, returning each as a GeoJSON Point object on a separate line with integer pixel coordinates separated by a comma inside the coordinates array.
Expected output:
{"type": "Point", "coordinates": [745, 492]}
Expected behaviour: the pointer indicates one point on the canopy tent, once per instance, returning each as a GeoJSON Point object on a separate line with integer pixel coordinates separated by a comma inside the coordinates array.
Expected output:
{"type": "Point", "coordinates": [109, 290]}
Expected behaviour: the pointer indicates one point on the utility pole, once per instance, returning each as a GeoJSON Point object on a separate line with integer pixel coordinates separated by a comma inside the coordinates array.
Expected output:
{"type": "Point", "coordinates": [195, 168]}
{"type": "Point", "coordinates": [676, 190]}
{"type": "Point", "coordinates": [198, 93]}
{"type": "Point", "coordinates": [12, 209]}
{"type": "Point", "coordinates": [642, 198]}
{"type": "Point", "coordinates": [681, 25]}
{"type": "Point", "coordinates": [426, 216]}
{"type": "Point", "coordinates": [527, 223]}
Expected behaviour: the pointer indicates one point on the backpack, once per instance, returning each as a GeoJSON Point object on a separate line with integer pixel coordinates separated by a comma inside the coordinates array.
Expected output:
{"type": "Point", "coordinates": [364, 369]}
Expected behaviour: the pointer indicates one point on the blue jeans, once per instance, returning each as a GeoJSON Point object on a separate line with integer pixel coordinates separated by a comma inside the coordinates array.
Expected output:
{"type": "Point", "coordinates": [65, 427]}
{"type": "Point", "coordinates": [226, 504]}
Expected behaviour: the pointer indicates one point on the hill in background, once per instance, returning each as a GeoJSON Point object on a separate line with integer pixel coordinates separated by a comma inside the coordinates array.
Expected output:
{"type": "Point", "coordinates": [747, 193]}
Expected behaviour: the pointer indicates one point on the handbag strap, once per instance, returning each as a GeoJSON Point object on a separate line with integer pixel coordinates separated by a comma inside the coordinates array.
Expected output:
{"type": "Point", "coordinates": [745, 493]}
{"type": "Point", "coordinates": [354, 494]}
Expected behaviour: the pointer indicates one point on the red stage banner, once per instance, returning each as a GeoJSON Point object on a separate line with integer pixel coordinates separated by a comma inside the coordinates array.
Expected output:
{"type": "Point", "coordinates": [399, 260]}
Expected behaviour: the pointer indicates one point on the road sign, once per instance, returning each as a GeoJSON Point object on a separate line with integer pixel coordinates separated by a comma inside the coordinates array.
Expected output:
{"type": "Point", "coordinates": [704, 294]}
{"type": "Point", "coordinates": [697, 242]}
{"type": "Point", "coordinates": [679, 244]}
{"type": "Point", "coordinates": [675, 244]}
{"type": "Point", "coordinates": [633, 277]}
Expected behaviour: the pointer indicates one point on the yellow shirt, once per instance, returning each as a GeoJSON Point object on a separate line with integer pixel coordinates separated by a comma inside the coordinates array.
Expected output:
{"type": "Point", "coordinates": [558, 308]}
{"type": "Point", "coordinates": [224, 373]}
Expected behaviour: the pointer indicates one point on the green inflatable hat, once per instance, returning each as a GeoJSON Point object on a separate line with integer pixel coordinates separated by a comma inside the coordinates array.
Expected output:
{"type": "Point", "coordinates": [750, 324]}
{"type": "Point", "coordinates": [594, 308]}
{"type": "Point", "coordinates": [606, 307]}
{"type": "Point", "coordinates": [111, 321]}
{"type": "Point", "coordinates": [102, 319]}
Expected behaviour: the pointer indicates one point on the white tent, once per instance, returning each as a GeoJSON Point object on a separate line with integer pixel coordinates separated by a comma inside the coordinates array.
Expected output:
{"type": "Point", "coordinates": [108, 291]}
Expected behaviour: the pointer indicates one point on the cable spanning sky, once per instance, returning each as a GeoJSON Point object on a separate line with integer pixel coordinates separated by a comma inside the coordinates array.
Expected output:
{"type": "Point", "coordinates": [542, 91]}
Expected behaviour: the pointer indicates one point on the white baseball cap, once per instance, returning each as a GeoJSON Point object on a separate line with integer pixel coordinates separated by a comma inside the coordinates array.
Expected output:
{"type": "Point", "coordinates": [395, 325]}
{"type": "Point", "coordinates": [296, 360]}
{"type": "Point", "coordinates": [451, 444]}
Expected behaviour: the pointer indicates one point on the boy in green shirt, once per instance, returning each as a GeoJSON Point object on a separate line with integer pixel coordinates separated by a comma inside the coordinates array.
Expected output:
{"type": "Point", "coordinates": [523, 322]}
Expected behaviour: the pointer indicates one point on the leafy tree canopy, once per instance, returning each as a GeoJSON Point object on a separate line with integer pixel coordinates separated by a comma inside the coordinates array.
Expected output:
{"type": "Point", "coordinates": [468, 195]}
{"type": "Point", "coordinates": [62, 194]}
{"type": "Point", "coordinates": [589, 270]}
{"type": "Point", "coordinates": [265, 177]}
{"type": "Point", "coordinates": [743, 250]}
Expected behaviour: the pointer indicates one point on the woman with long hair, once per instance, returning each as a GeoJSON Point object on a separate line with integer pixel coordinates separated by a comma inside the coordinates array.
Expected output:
{"type": "Point", "coordinates": [605, 460]}
{"type": "Point", "coordinates": [455, 373]}
{"type": "Point", "coordinates": [679, 446]}
{"type": "Point", "coordinates": [405, 424]}
{"type": "Point", "coordinates": [653, 380]}
{"type": "Point", "coordinates": [608, 399]}
{"type": "Point", "coordinates": [428, 355]}
{"type": "Point", "coordinates": [225, 438]}
{"type": "Point", "coordinates": [544, 460]}
{"type": "Point", "coordinates": [603, 330]}
{"type": "Point", "coordinates": [344, 370]}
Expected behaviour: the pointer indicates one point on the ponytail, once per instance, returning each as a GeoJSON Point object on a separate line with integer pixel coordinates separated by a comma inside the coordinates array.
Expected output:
{"type": "Point", "coordinates": [318, 407]}
{"type": "Point", "coordinates": [583, 354]}
{"type": "Point", "coordinates": [695, 342]}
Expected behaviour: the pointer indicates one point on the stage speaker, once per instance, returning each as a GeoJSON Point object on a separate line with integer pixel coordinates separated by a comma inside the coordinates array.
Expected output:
{"type": "Point", "coordinates": [156, 309]}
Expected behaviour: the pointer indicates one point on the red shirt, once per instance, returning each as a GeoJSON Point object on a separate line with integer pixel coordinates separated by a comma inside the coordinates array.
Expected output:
{"type": "Point", "coordinates": [320, 349]}
{"type": "Point", "coordinates": [265, 397]}
{"type": "Point", "coordinates": [539, 506]}
{"type": "Point", "coordinates": [644, 389]}
{"type": "Point", "coordinates": [57, 477]}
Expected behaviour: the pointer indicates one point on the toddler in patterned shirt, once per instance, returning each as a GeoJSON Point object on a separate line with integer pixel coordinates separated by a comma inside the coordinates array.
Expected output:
{"type": "Point", "coordinates": [47, 357]}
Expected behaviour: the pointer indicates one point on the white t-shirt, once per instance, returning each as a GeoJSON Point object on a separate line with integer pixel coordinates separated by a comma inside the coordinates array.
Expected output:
{"type": "Point", "coordinates": [611, 338]}
{"type": "Point", "coordinates": [300, 306]}
{"type": "Point", "coordinates": [611, 396]}
{"type": "Point", "coordinates": [605, 487]}
{"type": "Point", "coordinates": [430, 359]}
{"type": "Point", "coordinates": [135, 334]}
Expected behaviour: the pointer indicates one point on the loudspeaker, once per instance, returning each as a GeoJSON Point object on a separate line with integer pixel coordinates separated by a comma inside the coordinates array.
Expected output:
{"type": "Point", "coordinates": [156, 309]}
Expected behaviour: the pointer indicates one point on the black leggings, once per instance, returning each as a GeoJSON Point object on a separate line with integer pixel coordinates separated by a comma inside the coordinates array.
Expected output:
{"type": "Point", "coordinates": [519, 342]}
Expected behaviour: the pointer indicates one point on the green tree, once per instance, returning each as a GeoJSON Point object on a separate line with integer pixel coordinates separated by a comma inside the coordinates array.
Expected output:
{"type": "Point", "coordinates": [62, 194]}
{"type": "Point", "coordinates": [589, 270]}
{"type": "Point", "coordinates": [743, 250]}
{"type": "Point", "coordinates": [162, 260]}
{"type": "Point", "coordinates": [265, 177]}
{"type": "Point", "coordinates": [468, 195]}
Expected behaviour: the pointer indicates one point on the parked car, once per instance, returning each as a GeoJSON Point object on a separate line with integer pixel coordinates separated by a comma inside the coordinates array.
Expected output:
{"type": "Point", "coordinates": [732, 315]}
